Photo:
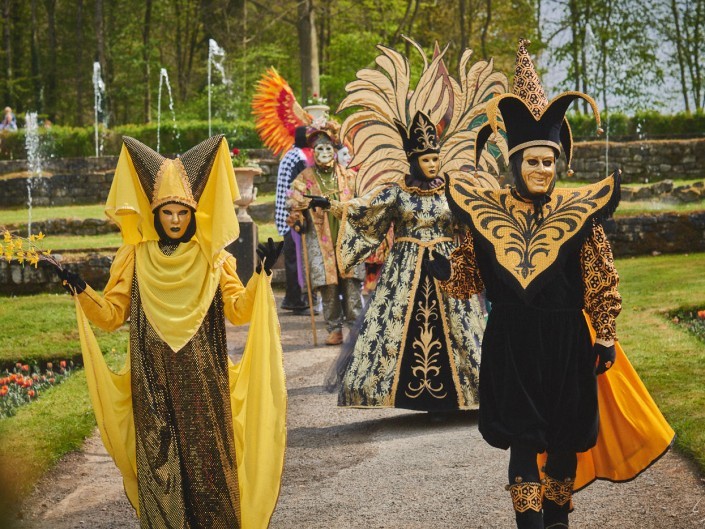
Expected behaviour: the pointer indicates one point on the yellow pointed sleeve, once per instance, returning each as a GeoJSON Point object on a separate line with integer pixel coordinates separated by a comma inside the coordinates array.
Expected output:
{"type": "Point", "coordinates": [237, 299]}
{"type": "Point", "coordinates": [111, 310]}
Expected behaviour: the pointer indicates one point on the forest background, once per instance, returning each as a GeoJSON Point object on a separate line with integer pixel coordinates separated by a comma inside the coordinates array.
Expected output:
{"type": "Point", "coordinates": [629, 54]}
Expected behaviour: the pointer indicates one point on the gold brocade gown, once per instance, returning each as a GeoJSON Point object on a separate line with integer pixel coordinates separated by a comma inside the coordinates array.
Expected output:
{"type": "Point", "coordinates": [417, 348]}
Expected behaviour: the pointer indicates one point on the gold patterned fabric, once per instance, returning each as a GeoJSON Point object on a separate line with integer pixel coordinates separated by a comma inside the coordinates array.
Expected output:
{"type": "Point", "coordinates": [529, 244]}
{"type": "Point", "coordinates": [417, 348]}
{"type": "Point", "coordinates": [527, 84]}
{"type": "Point", "coordinates": [603, 303]}
{"type": "Point", "coordinates": [187, 473]}
{"type": "Point", "coordinates": [526, 495]}
{"type": "Point", "coordinates": [464, 280]}
{"type": "Point", "coordinates": [559, 492]}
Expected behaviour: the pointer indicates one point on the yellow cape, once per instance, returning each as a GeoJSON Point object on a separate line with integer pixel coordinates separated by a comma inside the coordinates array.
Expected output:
{"type": "Point", "coordinates": [633, 433]}
{"type": "Point", "coordinates": [258, 410]}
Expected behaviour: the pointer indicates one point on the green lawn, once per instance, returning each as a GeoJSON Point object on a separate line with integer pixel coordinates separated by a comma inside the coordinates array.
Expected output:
{"type": "Point", "coordinates": [42, 328]}
{"type": "Point", "coordinates": [17, 216]}
{"type": "Point", "coordinates": [670, 360]}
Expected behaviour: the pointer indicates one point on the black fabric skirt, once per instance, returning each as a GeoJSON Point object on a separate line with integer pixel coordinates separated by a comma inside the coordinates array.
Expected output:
{"type": "Point", "coordinates": [537, 382]}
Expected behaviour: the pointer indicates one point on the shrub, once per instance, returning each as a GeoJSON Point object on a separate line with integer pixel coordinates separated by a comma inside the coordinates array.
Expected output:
{"type": "Point", "coordinates": [71, 142]}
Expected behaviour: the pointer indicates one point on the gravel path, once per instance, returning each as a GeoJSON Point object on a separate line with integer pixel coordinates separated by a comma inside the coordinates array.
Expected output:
{"type": "Point", "coordinates": [369, 469]}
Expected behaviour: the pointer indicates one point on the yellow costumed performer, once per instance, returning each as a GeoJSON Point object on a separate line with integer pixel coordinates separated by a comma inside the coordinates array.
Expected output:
{"type": "Point", "coordinates": [199, 440]}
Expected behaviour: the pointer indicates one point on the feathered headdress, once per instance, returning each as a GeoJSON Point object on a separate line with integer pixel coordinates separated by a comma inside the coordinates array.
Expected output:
{"type": "Point", "coordinates": [380, 131]}
{"type": "Point", "coordinates": [277, 113]}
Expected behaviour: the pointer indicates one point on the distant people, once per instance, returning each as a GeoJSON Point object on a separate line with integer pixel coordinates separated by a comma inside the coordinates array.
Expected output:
{"type": "Point", "coordinates": [9, 122]}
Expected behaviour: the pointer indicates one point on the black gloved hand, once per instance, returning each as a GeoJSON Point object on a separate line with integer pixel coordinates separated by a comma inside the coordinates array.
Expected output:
{"type": "Point", "coordinates": [268, 254]}
{"type": "Point", "coordinates": [437, 266]}
{"type": "Point", "coordinates": [318, 202]}
{"type": "Point", "coordinates": [605, 357]}
{"type": "Point", "coordinates": [70, 281]}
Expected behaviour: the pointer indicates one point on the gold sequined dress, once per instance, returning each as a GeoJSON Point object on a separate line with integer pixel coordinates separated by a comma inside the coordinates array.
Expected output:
{"type": "Point", "coordinates": [417, 348]}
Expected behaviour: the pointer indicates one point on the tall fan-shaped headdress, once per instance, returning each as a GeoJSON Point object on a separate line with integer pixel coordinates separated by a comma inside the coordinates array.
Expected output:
{"type": "Point", "coordinates": [528, 118]}
{"type": "Point", "coordinates": [202, 178]}
{"type": "Point", "coordinates": [440, 114]}
{"type": "Point", "coordinates": [277, 113]}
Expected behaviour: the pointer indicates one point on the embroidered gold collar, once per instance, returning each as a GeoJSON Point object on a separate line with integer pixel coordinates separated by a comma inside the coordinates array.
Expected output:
{"type": "Point", "coordinates": [526, 245]}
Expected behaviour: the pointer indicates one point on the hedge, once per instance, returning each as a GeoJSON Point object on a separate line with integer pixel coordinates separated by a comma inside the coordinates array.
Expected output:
{"type": "Point", "coordinates": [641, 126]}
{"type": "Point", "coordinates": [71, 142]}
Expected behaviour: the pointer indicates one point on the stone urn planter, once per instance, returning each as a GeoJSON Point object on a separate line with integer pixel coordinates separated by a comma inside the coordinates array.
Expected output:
{"type": "Point", "coordinates": [318, 112]}
{"type": "Point", "coordinates": [245, 177]}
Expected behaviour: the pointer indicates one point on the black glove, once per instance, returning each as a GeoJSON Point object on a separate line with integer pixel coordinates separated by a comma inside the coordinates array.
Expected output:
{"type": "Point", "coordinates": [268, 254]}
{"type": "Point", "coordinates": [318, 202]}
{"type": "Point", "coordinates": [437, 266]}
{"type": "Point", "coordinates": [70, 281]}
{"type": "Point", "coordinates": [605, 357]}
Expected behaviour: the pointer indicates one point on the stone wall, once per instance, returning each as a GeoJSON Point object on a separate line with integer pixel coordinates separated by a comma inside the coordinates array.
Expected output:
{"type": "Point", "coordinates": [87, 180]}
{"type": "Point", "coordinates": [655, 234]}
{"type": "Point", "coordinates": [640, 161]}
{"type": "Point", "coordinates": [630, 236]}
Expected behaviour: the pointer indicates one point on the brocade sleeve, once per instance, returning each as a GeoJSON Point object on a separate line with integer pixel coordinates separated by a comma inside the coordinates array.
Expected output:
{"type": "Point", "coordinates": [465, 277]}
{"type": "Point", "coordinates": [603, 303]}
{"type": "Point", "coordinates": [237, 298]}
{"type": "Point", "coordinates": [364, 224]}
{"type": "Point", "coordinates": [110, 311]}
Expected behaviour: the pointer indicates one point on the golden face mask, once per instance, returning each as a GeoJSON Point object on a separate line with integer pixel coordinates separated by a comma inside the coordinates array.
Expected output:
{"type": "Point", "coordinates": [428, 163]}
{"type": "Point", "coordinates": [538, 169]}
{"type": "Point", "coordinates": [175, 219]}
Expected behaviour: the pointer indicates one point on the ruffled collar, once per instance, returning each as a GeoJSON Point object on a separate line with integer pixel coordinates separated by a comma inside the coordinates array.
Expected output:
{"type": "Point", "coordinates": [423, 186]}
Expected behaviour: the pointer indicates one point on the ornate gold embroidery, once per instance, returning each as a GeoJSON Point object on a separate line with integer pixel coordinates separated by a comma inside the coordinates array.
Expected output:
{"type": "Point", "coordinates": [602, 300]}
{"type": "Point", "coordinates": [559, 492]}
{"type": "Point", "coordinates": [525, 495]}
{"type": "Point", "coordinates": [525, 245]}
{"type": "Point", "coordinates": [465, 278]}
{"type": "Point", "coordinates": [426, 366]}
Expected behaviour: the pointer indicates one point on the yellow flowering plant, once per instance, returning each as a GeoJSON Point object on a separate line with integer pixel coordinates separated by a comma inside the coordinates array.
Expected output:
{"type": "Point", "coordinates": [25, 250]}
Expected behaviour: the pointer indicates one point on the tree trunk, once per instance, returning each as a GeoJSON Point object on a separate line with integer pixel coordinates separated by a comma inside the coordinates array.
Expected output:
{"type": "Point", "coordinates": [50, 67]}
{"type": "Point", "coordinates": [463, 34]}
{"type": "Point", "coordinates": [145, 57]}
{"type": "Point", "coordinates": [7, 34]}
{"type": "Point", "coordinates": [34, 59]}
{"type": "Point", "coordinates": [80, 67]}
{"type": "Point", "coordinates": [308, 50]}
{"type": "Point", "coordinates": [679, 53]}
{"type": "Point", "coordinates": [485, 29]}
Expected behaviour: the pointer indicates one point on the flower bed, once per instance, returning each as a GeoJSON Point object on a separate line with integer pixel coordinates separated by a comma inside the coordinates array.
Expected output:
{"type": "Point", "coordinates": [693, 319]}
{"type": "Point", "coordinates": [25, 384]}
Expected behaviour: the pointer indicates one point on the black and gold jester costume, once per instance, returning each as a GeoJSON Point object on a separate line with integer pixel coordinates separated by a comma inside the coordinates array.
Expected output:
{"type": "Point", "coordinates": [199, 441]}
{"type": "Point", "coordinates": [417, 348]}
{"type": "Point", "coordinates": [547, 269]}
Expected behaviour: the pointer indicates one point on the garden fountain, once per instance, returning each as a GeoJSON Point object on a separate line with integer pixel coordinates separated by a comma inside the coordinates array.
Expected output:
{"type": "Point", "coordinates": [98, 93]}
{"type": "Point", "coordinates": [34, 160]}
{"type": "Point", "coordinates": [216, 58]}
{"type": "Point", "coordinates": [164, 79]}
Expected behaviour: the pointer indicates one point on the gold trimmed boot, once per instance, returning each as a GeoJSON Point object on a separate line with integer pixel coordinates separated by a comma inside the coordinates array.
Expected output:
{"type": "Point", "coordinates": [527, 499]}
{"type": "Point", "coordinates": [557, 502]}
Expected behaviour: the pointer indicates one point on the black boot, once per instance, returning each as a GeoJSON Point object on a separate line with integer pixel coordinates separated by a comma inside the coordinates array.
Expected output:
{"type": "Point", "coordinates": [526, 498]}
{"type": "Point", "coordinates": [557, 502]}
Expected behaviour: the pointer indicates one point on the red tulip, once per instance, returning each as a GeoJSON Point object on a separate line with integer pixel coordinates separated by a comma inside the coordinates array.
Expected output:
{"type": "Point", "coordinates": [62, 363]}
{"type": "Point", "coordinates": [25, 367]}
{"type": "Point", "coordinates": [701, 314]}
{"type": "Point", "coordinates": [31, 393]}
